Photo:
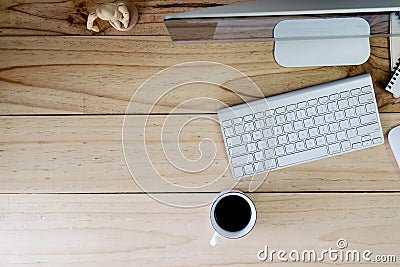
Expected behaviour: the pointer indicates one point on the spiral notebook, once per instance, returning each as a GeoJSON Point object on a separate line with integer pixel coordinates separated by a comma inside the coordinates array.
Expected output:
{"type": "Point", "coordinates": [394, 84]}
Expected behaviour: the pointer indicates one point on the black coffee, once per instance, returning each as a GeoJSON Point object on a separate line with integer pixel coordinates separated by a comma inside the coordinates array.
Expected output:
{"type": "Point", "coordinates": [232, 213]}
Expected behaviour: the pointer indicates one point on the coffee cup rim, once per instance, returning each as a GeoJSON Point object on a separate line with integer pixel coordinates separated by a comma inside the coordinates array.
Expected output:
{"type": "Point", "coordinates": [223, 232]}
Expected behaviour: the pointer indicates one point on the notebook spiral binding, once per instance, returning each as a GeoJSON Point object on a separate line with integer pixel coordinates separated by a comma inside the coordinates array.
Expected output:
{"type": "Point", "coordinates": [395, 80]}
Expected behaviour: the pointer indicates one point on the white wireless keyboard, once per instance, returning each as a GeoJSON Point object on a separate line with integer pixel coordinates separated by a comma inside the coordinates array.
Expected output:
{"type": "Point", "coordinates": [301, 126]}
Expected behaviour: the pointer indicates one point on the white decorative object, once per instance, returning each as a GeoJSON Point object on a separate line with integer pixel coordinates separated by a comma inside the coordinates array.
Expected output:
{"type": "Point", "coordinates": [122, 16]}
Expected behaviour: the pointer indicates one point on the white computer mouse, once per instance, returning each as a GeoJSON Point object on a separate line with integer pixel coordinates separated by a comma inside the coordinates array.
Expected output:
{"type": "Point", "coordinates": [394, 141]}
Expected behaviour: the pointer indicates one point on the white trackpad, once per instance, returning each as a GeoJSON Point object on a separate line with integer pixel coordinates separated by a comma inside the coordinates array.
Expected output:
{"type": "Point", "coordinates": [322, 42]}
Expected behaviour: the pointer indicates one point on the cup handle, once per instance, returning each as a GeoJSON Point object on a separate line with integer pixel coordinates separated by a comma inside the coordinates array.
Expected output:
{"type": "Point", "coordinates": [214, 239]}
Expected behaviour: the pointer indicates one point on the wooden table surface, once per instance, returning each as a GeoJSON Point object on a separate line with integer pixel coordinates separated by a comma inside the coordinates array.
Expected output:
{"type": "Point", "coordinates": [67, 197]}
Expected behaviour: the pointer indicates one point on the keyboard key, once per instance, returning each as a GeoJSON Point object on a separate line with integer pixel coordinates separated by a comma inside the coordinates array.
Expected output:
{"type": "Point", "coordinates": [323, 100]}
{"type": "Point", "coordinates": [238, 150]}
{"type": "Point", "coordinates": [354, 122]}
{"type": "Point", "coordinates": [237, 121]}
{"type": "Point", "coordinates": [298, 125]}
{"type": "Point", "coordinates": [234, 141]}
{"type": "Point", "coordinates": [303, 134]}
{"type": "Point", "coordinates": [280, 119]}
{"type": "Point", "coordinates": [329, 117]}
{"type": "Point", "coordinates": [262, 144]}
{"type": "Point", "coordinates": [339, 115]}
{"type": "Point", "coordinates": [320, 140]}
{"type": "Point", "coordinates": [330, 138]}
{"type": "Point", "coordinates": [289, 148]}
{"type": "Point", "coordinates": [356, 91]}
{"type": "Point", "coordinates": [301, 105]}
{"type": "Point", "coordinates": [323, 129]}
{"type": "Point", "coordinates": [344, 124]}
{"type": "Point", "coordinates": [248, 117]}
{"type": "Point", "coordinates": [351, 133]}
{"type": "Point", "coordinates": [365, 138]}
{"type": "Point", "coordinates": [332, 106]}
{"type": "Point", "coordinates": [300, 146]}
{"type": "Point", "coordinates": [279, 151]}
{"type": "Point", "coordinates": [312, 102]}
{"type": "Point", "coordinates": [360, 110]}
{"type": "Point", "coordinates": [241, 160]}
{"type": "Point", "coordinates": [304, 156]}
{"type": "Point", "coordinates": [278, 130]}
{"type": "Point", "coordinates": [310, 143]}
{"type": "Point", "coordinates": [311, 111]}
{"type": "Point", "coordinates": [248, 169]}
{"type": "Point", "coordinates": [357, 145]}
{"type": "Point", "coordinates": [246, 138]}
{"type": "Point", "coordinates": [269, 121]}
{"type": "Point", "coordinates": [280, 110]}
{"type": "Point", "coordinates": [370, 107]}
{"type": "Point", "coordinates": [319, 120]}
{"type": "Point", "coordinates": [282, 139]}
{"type": "Point", "coordinates": [321, 109]}
{"type": "Point", "coordinates": [290, 107]}
{"type": "Point", "coordinates": [267, 132]}
{"type": "Point", "coordinates": [248, 127]}
{"type": "Point", "coordinates": [239, 129]}
{"type": "Point", "coordinates": [345, 145]}
{"type": "Point", "coordinates": [301, 114]}
{"type": "Point", "coordinates": [258, 156]}
{"type": "Point", "coordinates": [367, 143]}
{"type": "Point", "coordinates": [313, 132]}
{"type": "Point", "coordinates": [341, 135]}
{"type": "Point", "coordinates": [368, 129]}
{"type": "Point", "coordinates": [229, 132]}
{"type": "Point", "coordinates": [292, 137]}
{"type": "Point", "coordinates": [227, 123]}
{"type": "Point", "coordinates": [259, 167]}
{"type": "Point", "coordinates": [259, 115]}
{"type": "Point", "coordinates": [366, 89]}
{"type": "Point", "coordinates": [271, 142]}
{"type": "Point", "coordinates": [308, 123]}
{"type": "Point", "coordinates": [270, 164]}
{"type": "Point", "coordinates": [288, 127]}
{"type": "Point", "coordinates": [259, 124]}
{"type": "Point", "coordinates": [334, 127]}
{"type": "Point", "coordinates": [238, 172]}
{"type": "Point", "coordinates": [257, 135]}
{"type": "Point", "coordinates": [334, 148]}
{"type": "Point", "coordinates": [371, 118]}
{"type": "Point", "coordinates": [334, 97]}
{"type": "Point", "coordinates": [353, 101]}
{"type": "Point", "coordinates": [342, 104]}
{"type": "Point", "coordinates": [350, 112]}
{"type": "Point", "coordinates": [344, 94]}
{"type": "Point", "coordinates": [365, 98]}
{"type": "Point", "coordinates": [377, 140]}
{"type": "Point", "coordinates": [291, 116]}
{"type": "Point", "coordinates": [251, 147]}
{"type": "Point", "coordinates": [269, 153]}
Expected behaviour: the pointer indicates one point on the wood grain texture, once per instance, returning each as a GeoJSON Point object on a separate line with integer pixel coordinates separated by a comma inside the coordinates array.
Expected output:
{"type": "Point", "coordinates": [99, 75]}
{"type": "Point", "coordinates": [68, 17]}
{"type": "Point", "coordinates": [85, 154]}
{"type": "Point", "coordinates": [127, 230]}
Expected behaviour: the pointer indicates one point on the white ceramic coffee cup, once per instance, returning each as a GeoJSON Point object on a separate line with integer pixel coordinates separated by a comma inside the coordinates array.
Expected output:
{"type": "Point", "coordinates": [219, 232]}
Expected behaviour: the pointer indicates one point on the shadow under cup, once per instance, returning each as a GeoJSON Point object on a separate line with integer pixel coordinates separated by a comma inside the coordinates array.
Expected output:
{"type": "Point", "coordinates": [233, 215]}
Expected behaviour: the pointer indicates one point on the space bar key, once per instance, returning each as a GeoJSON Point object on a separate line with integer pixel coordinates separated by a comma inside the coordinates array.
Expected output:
{"type": "Point", "coordinates": [301, 157]}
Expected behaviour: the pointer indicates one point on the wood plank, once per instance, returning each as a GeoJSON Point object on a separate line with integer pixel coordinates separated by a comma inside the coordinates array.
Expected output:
{"type": "Point", "coordinates": [53, 17]}
{"type": "Point", "coordinates": [87, 75]}
{"type": "Point", "coordinates": [126, 230]}
{"type": "Point", "coordinates": [84, 154]}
